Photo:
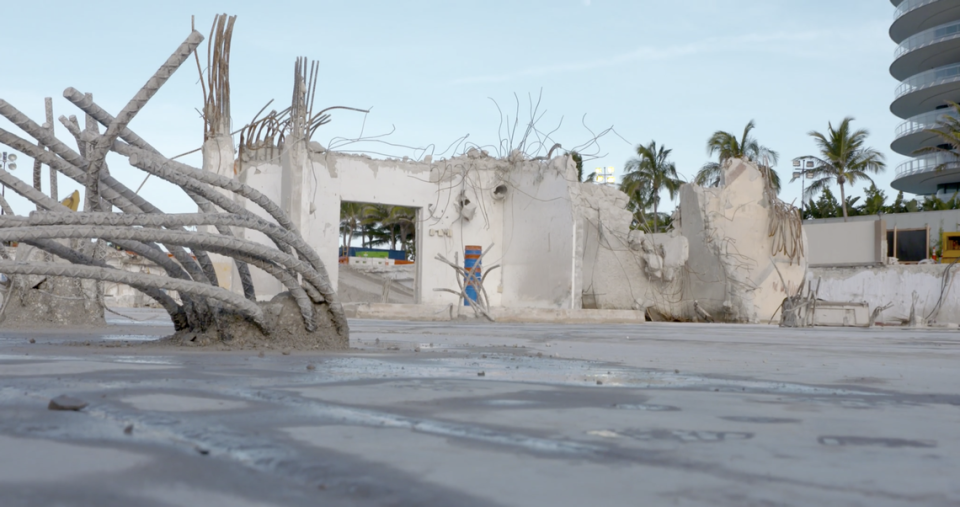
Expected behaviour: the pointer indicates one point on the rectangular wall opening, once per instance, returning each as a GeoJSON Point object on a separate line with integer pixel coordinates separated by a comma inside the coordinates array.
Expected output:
{"type": "Point", "coordinates": [378, 253]}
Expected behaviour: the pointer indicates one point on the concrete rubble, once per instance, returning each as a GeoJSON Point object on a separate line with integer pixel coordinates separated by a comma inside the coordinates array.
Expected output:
{"type": "Point", "coordinates": [745, 258]}
{"type": "Point", "coordinates": [560, 244]}
{"type": "Point", "coordinates": [304, 313]}
{"type": "Point", "coordinates": [893, 286]}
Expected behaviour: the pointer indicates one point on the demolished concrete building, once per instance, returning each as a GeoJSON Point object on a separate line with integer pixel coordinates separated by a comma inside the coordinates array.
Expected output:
{"type": "Point", "coordinates": [559, 244]}
{"type": "Point", "coordinates": [552, 246]}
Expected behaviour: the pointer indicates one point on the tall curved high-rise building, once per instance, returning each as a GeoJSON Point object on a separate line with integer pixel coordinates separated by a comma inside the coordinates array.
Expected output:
{"type": "Point", "coordinates": [927, 64]}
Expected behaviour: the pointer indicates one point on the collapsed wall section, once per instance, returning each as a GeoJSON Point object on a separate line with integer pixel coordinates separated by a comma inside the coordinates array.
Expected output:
{"type": "Point", "coordinates": [625, 268]}
{"type": "Point", "coordinates": [747, 249]}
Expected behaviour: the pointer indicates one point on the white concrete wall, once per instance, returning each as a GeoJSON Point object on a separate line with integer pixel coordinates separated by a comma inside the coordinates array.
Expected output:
{"type": "Point", "coordinates": [895, 284]}
{"type": "Point", "coordinates": [947, 221]}
{"type": "Point", "coordinates": [537, 260]}
{"type": "Point", "coordinates": [732, 270]}
{"type": "Point", "coordinates": [846, 243]}
{"type": "Point", "coordinates": [218, 158]}
{"type": "Point", "coordinates": [549, 238]}
{"type": "Point", "coordinates": [539, 237]}
{"type": "Point", "coordinates": [264, 175]}
{"type": "Point", "coordinates": [611, 271]}
{"type": "Point", "coordinates": [614, 268]}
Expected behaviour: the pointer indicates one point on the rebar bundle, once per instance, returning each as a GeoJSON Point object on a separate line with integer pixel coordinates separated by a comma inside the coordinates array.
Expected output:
{"type": "Point", "coordinates": [204, 308]}
{"type": "Point", "coordinates": [216, 114]}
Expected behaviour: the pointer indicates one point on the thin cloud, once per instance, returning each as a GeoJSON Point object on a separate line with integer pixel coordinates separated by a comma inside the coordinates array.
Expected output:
{"type": "Point", "coordinates": [752, 42]}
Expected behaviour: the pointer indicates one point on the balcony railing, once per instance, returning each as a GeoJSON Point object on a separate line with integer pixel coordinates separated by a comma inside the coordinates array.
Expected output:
{"type": "Point", "coordinates": [909, 5]}
{"type": "Point", "coordinates": [925, 38]}
{"type": "Point", "coordinates": [932, 77]}
{"type": "Point", "coordinates": [928, 163]}
{"type": "Point", "coordinates": [924, 121]}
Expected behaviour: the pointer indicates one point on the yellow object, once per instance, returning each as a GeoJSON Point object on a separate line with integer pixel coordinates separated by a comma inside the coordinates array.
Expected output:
{"type": "Point", "coordinates": [72, 202]}
{"type": "Point", "coordinates": [950, 242]}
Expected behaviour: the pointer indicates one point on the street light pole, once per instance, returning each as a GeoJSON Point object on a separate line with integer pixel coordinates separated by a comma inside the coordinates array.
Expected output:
{"type": "Point", "coordinates": [7, 161]}
{"type": "Point", "coordinates": [802, 163]}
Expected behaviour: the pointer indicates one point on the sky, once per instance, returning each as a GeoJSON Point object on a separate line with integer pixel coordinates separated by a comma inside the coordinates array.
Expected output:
{"type": "Point", "coordinates": [434, 71]}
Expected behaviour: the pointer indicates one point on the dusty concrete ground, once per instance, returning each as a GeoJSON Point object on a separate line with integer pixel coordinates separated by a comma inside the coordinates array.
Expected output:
{"type": "Point", "coordinates": [482, 414]}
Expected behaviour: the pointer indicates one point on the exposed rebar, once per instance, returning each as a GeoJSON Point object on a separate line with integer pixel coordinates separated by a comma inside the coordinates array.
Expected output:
{"type": "Point", "coordinates": [238, 303]}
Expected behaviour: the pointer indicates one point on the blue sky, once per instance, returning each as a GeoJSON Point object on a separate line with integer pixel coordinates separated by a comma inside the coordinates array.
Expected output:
{"type": "Point", "coordinates": [672, 71]}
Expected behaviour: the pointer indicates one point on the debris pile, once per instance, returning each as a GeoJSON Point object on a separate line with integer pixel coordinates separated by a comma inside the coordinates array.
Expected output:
{"type": "Point", "coordinates": [306, 315]}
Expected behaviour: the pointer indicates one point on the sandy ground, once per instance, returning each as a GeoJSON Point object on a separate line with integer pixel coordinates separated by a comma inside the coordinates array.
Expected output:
{"type": "Point", "coordinates": [485, 414]}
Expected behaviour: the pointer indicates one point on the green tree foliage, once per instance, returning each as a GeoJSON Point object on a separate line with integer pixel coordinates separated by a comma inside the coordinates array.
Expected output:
{"type": "Point", "coordinates": [380, 225]}
{"type": "Point", "coordinates": [948, 130]}
{"type": "Point", "coordinates": [851, 205]}
{"type": "Point", "coordinates": [826, 206]}
{"type": "Point", "coordinates": [351, 220]}
{"type": "Point", "coordinates": [843, 159]}
{"type": "Point", "coordinates": [578, 159]}
{"type": "Point", "coordinates": [875, 201]}
{"type": "Point", "coordinates": [728, 146]}
{"type": "Point", "coordinates": [374, 233]}
{"type": "Point", "coordinates": [647, 221]}
{"type": "Point", "coordinates": [404, 220]}
{"type": "Point", "coordinates": [645, 177]}
{"type": "Point", "coordinates": [934, 203]}
{"type": "Point", "coordinates": [901, 205]}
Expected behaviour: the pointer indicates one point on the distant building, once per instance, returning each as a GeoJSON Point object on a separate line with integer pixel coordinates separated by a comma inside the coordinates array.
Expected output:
{"type": "Point", "coordinates": [927, 64]}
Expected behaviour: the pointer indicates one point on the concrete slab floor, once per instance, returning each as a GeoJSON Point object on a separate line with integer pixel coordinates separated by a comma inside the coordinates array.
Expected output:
{"type": "Point", "coordinates": [485, 414]}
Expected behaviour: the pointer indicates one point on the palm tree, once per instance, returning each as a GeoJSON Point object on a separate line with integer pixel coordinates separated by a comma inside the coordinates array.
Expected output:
{"type": "Point", "coordinates": [578, 159]}
{"type": "Point", "coordinates": [843, 159]}
{"type": "Point", "coordinates": [728, 146]}
{"type": "Point", "coordinates": [949, 132]}
{"type": "Point", "coordinates": [351, 219]}
{"type": "Point", "coordinates": [374, 216]}
{"type": "Point", "coordinates": [647, 175]}
{"type": "Point", "coordinates": [405, 221]}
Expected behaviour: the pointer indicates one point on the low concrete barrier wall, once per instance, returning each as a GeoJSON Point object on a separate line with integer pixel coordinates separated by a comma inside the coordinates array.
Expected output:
{"type": "Point", "coordinates": [860, 243]}
{"type": "Point", "coordinates": [895, 284]}
{"type": "Point", "coordinates": [442, 313]}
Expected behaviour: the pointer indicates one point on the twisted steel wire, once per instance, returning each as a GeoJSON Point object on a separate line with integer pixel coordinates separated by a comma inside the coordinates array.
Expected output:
{"type": "Point", "coordinates": [177, 313]}
{"type": "Point", "coordinates": [198, 312]}
{"type": "Point", "coordinates": [150, 163]}
{"type": "Point", "coordinates": [179, 220]}
{"type": "Point", "coordinates": [85, 102]}
{"type": "Point", "coordinates": [238, 303]}
{"type": "Point", "coordinates": [299, 293]}
{"type": "Point", "coordinates": [214, 243]}
{"type": "Point", "coordinates": [90, 107]}
{"type": "Point", "coordinates": [293, 260]}
{"type": "Point", "coordinates": [171, 220]}
{"type": "Point", "coordinates": [103, 144]}
{"type": "Point", "coordinates": [246, 279]}
{"type": "Point", "coordinates": [201, 271]}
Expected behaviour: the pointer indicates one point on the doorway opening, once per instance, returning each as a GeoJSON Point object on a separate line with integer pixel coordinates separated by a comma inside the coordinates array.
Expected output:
{"type": "Point", "coordinates": [378, 253]}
